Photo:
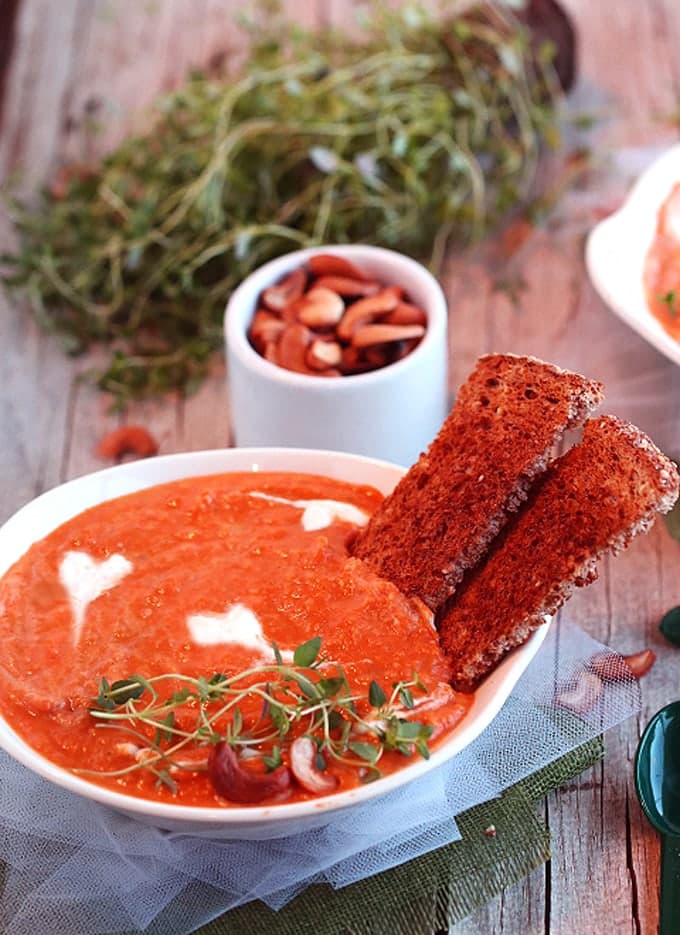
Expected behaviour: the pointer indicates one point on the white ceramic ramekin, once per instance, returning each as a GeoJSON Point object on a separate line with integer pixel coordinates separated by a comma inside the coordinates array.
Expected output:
{"type": "Point", "coordinates": [391, 413]}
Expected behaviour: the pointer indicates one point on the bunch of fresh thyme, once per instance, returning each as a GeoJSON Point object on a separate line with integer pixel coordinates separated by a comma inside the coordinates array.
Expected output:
{"type": "Point", "coordinates": [427, 131]}
{"type": "Point", "coordinates": [293, 700]}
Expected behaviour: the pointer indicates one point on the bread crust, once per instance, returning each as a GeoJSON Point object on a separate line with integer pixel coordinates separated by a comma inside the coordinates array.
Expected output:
{"type": "Point", "coordinates": [497, 439]}
{"type": "Point", "coordinates": [593, 499]}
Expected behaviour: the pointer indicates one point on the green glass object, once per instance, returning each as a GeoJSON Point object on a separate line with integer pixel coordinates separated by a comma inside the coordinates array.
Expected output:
{"type": "Point", "coordinates": [670, 625]}
{"type": "Point", "coordinates": [657, 781]}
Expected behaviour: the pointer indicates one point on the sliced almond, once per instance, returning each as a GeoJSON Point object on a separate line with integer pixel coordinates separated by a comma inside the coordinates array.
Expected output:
{"type": "Point", "coordinates": [368, 335]}
{"type": "Point", "coordinates": [405, 314]}
{"type": "Point", "coordinates": [264, 328]}
{"type": "Point", "coordinates": [613, 668]}
{"type": "Point", "coordinates": [270, 353]}
{"type": "Point", "coordinates": [343, 307]}
{"type": "Point", "coordinates": [320, 308]}
{"type": "Point", "coordinates": [640, 663]}
{"type": "Point", "coordinates": [609, 666]}
{"type": "Point", "coordinates": [303, 754]}
{"type": "Point", "coordinates": [127, 439]}
{"type": "Point", "coordinates": [365, 310]}
{"type": "Point", "coordinates": [285, 292]}
{"type": "Point", "coordinates": [323, 354]}
{"type": "Point", "coordinates": [292, 348]}
{"type": "Point", "coordinates": [328, 264]}
{"type": "Point", "coordinates": [343, 285]}
{"type": "Point", "coordinates": [582, 694]}
{"type": "Point", "coordinates": [196, 760]}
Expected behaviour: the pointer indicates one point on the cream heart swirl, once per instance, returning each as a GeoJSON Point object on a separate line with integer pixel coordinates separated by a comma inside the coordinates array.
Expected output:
{"type": "Point", "coordinates": [237, 625]}
{"type": "Point", "coordinates": [84, 579]}
{"type": "Point", "coordinates": [318, 514]}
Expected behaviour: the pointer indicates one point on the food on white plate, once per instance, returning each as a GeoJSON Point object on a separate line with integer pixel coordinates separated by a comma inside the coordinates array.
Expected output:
{"type": "Point", "coordinates": [252, 638]}
{"type": "Point", "coordinates": [662, 266]}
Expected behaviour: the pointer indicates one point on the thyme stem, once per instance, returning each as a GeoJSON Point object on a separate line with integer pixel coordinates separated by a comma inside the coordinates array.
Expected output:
{"type": "Point", "coordinates": [305, 698]}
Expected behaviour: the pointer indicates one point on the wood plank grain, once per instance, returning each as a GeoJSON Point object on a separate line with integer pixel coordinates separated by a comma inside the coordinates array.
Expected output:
{"type": "Point", "coordinates": [667, 29]}
{"type": "Point", "coordinates": [520, 908]}
{"type": "Point", "coordinates": [626, 68]}
{"type": "Point", "coordinates": [7, 36]}
{"type": "Point", "coordinates": [36, 396]}
{"type": "Point", "coordinates": [468, 289]}
{"type": "Point", "coordinates": [134, 51]}
{"type": "Point", "coordinates": [46, 36]}
{"type": "Point", "coordinates": [642, 586]}
{"type": "Point", "coordinates": [79, 64]}
{"type": "Point", "coordinates": [90, 418]}
{"type": "Point", "coordinates": [206, 416]}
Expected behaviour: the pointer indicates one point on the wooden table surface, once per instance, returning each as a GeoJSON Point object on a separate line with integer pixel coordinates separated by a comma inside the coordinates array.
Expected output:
{"type": "Point", "coordinates": [65, 66]}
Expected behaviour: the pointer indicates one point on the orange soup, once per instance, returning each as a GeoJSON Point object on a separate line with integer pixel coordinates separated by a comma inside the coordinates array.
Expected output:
{"type": "Point", "coordinates": [210, 642]}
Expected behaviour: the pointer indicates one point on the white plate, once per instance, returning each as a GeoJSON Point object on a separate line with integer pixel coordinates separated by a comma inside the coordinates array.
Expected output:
{"type": "Point", "coordinates": [616, 250]}
{"type": "Point", "coordinates": [41, 516]}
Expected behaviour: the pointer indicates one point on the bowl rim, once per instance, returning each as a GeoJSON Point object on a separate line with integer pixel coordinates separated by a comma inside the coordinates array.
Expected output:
{"type": "Point", "coordinates": [487, 702]}
{"type": "Point", "coordinates": [633, 224]}
{"type": "Point", "coordinates": [241, 306]}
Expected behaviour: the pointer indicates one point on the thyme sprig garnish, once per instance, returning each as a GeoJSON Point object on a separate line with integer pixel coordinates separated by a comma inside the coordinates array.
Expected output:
{"type": "Point", "coordinates": [259, 712]}
{"type": "Point", "coordinates": [670, 300]}
{"type": "Point", "coordinates": [424, 132]}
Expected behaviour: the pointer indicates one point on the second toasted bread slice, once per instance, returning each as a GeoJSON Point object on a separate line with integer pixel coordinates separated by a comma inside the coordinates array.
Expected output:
{"type": "Point", "coordinates": [444, 512]}
{"type": "Point", "coordinates": [594, 498]}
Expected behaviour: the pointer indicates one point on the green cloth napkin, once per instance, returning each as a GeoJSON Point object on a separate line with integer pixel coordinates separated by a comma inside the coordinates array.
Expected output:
{"type": "Point", "coordinates": [438, 889]}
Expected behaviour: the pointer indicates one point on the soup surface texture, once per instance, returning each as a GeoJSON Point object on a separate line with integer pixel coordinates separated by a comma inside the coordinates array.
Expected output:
{"type": "Point", "coordinates": [196, 577]}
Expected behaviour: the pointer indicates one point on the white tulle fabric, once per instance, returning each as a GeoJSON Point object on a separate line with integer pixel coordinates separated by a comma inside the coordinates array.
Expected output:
{"type": "Point", "coordinates": [78, 867]}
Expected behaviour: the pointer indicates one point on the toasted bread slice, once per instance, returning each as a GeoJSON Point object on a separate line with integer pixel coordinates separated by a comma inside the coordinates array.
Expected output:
{"type": "Point", "coordinates": [593, 499]}
{"type": "Point", "coordinates": [442, 515]}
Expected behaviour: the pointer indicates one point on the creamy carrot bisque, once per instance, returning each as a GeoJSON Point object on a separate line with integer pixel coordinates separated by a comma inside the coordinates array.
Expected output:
{"type": "Point", "coordinates": [210, 642]}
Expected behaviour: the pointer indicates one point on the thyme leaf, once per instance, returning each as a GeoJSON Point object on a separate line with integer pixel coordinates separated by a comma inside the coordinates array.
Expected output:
{"type": "Point", "coordinates": [306, 654]}
{"type": "Point", "coordinates": [273, 760]}
{"type": "Point", "coordinates": [365, 750]}
{"type": "Point", "coordinates": [376, 695]}
{"type": "Point", "coordinates": [260, 710]}
{"type": "Point", "coordinates": [670, 300]}
{"type": "Point", "coordinates": [406, 697]}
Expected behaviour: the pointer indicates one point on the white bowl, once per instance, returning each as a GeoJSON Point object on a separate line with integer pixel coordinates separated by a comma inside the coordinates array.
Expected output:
{"type": "Point", "coordinates": [617, 247]}
{"type": "Point", "coordinates": [391, 413]}
{"type": "Point", "coordinates": [39, 517]}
